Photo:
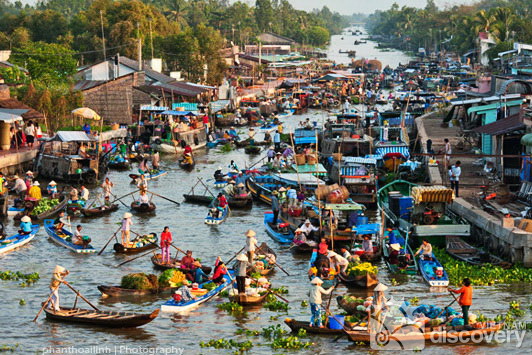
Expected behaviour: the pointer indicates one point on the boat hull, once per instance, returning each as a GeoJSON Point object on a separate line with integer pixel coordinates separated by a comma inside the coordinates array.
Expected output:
{"type": "Point", "coordinates": [107, 319]}
{"type": "Point", "coordinates": [17, 241]}
{"type": "Point", "coordinates": [54, 236]}
{"type": "Point", "coordinates": [274, 233]}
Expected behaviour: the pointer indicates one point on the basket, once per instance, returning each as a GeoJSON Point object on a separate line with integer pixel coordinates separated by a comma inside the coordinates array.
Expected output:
{"type": "Point", "coordinates": [301, 159]}
{"type": "Point", "coordinates": [337, 156]}
{"type": "Point", "coordinates": [311, 160]}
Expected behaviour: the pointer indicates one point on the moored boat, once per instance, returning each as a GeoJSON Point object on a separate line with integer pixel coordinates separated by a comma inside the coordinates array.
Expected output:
{"type": "Point", "coordinates": [185, 165]}
{"type": "Point", "coordinates": [16, 241]}
{"type": "Point", "coordinates": [362, 281]}
{"type": "Point", "coordinates": [281, 233]}
{"type": "Point", "coordinates": [62, 238]}
{"type": "Point", "coordinates": [404, 261]}
{"type": "Point", "coordinates": [174, 264]}
{"type": "Point", "coordinates": [433, 272]}
{"type": "Point", "coordinates": [461, 250]}
{"type": "Point", "coordinates": [137, 245]}
{"type": "Point", "coordinates": [247, 300]}
{"type": "Point", "coordinates": [117, 291]}
{"type": "Point", "coordinates": [174, 306]}
{"type": "Point", "coordinates": [245, 201]}
{"type": "Point", "coordinates": [296, 325]}
{"type": "Point", "coordinates": [110, 319]}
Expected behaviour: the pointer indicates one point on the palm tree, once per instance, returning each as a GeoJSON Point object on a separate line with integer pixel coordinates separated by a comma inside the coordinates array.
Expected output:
{"type": "Point", "coordinates": [483, 21]}
{"type": "Point", "coordinates": [505, 19]}
{"type": "Point", "coordinates": [177, 12]}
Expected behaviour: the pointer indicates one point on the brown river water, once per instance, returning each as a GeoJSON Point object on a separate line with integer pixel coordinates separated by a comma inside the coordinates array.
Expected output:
{"type": "Point", "coordinates": [171, 333]}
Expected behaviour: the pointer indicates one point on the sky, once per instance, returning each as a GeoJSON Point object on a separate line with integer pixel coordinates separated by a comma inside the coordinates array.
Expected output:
{"type": "Point", "coordinates": [347, 7]}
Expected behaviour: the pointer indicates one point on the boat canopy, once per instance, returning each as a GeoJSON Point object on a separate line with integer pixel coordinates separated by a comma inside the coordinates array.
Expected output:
{"type": "Point", "coordinates": [71, 136]}
{"type": "Point", "coordinates": [344, 206]}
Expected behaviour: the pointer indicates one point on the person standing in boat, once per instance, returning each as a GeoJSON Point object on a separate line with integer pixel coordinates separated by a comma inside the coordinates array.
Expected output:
{"type": "Point", "coordinates": [277, 141]}
{"type": "Point", "coordinates": [270, 154]}
{"type": "Point", "coordinates": [466, 298]}
{"type": "Point", "coordinates": [126, 226]}
{"type": "Point", "coordinates": [275, 206]}
{"type": "Point", "coordinates": [84, 193]}
{"type": "Point", "coordinates": [20, 188]}
{"type": "Point", "coordinates": [58, 278]}
{"type": "Point", "coordinates": [251, 244]}
{"type": "Point", "coordinates": [166, 240]}
{"type": "Point", "coordinates": [375, 310]}
{"type": "Point", "coordinates": [107, 187]}
{"type": "Point", "coordinates": [243, 264]}
{"type": "Point", "coordinates": [143, 183]}
{"type": "Point", "coordinates": [315, 301]}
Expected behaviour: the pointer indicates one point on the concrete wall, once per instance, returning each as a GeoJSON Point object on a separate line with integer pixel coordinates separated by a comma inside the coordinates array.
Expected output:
{"type": "Point", "coordinates": [14, 163]}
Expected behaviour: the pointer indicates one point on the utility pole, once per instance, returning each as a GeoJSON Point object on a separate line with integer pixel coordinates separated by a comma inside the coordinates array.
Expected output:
{"type": "Point", "coordinates": [103, 35]}
{"type": "Point", "coordinates": [139, 47]}
{"type": "Point", "coordinates": [151, 42]}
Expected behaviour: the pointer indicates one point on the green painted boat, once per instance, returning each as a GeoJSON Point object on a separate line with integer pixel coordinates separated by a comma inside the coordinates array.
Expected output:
{"type": "Point", "coordinates": [405, 265]}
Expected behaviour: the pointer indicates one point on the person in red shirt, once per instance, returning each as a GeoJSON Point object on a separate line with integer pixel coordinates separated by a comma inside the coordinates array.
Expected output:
{"type": "Point", "coordinates": [323, 247]}
{"type": "Point", "coordinates": [188, 149]}
{"type": "Point", "coordinates": [187, 262]}
{"type": "Point", "coordinates": [466, 298]}
{"type": "Point", "coordinates": [166, 240]}
{"type": "Point", "coordinates": [222, 201]}
{"type": "Point", "coordinates": [219, 271]}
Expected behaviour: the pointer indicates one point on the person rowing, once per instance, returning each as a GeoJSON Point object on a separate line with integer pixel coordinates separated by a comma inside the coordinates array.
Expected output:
{"type": "Point", "coordinates": [79, 239]}
{"type": "Point", "coordinates": [58, 278]}
{"type": "Point", "coordinates": [143, 199]}
{"type": "Point", "coordinates": [126, 226]}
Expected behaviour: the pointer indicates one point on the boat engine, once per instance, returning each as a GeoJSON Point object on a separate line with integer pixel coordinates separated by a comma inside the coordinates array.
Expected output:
{"type": "Point", "coordinates": [284, 228]}
{"type": "Point", "coordinates": [430, 216]}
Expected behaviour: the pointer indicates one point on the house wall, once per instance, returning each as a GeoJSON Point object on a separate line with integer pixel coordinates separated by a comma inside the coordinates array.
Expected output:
{"type": "Point", "coordinates": [114, 99]}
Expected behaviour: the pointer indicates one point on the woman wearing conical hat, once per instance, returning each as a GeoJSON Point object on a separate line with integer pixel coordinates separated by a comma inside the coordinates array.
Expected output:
{"type": "Point", "coordinates": [126, 226]}
{"type": "Point", "coordinates": [58, 278]}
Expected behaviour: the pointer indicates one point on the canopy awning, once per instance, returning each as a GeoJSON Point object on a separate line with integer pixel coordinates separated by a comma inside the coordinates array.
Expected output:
{"type": "Point", "coordinates": [303, 179]}
{"type": "Point", "coordinates": [315, 169]}
{"type": "Point", "coordinates": [344, 206]}
{"type": "Point", "coordinates": [153, 108]}
{"type": "Point", "coordinates": [9, 118]}
{"type": "Point", "coordinates": [506, 125]}
{"type": "Point", "coordinates": [177, 113]}
{"type": "Point", "coordinates": [87, 113]}
{"type": "Point", "coordinates": [72, 136]}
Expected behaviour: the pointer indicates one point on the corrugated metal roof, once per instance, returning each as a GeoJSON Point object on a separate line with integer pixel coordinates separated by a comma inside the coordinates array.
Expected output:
{"type": "Point", "coordinates": [359, 160]}
{"type": "Point", "coordinates": [72, 136]}
{"type": "Point", "coordinates": [506, 125]}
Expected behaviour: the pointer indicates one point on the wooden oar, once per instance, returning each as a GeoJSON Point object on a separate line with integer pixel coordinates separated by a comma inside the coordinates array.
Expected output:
{"type": "Point", "coordinates": [178, 249]}
{"type": "Point", "coordinates": [120, 198]}
{"type": "Point", "coordinates": [166, 198]}
{"type": "Point", "coordinates": [135, 258]}
{"type": "Point", "coordinates": [275, 264]}
{"type": "Point", "coordinates": [80, 295]}
{"type": "Point", "coordinates": [109, 241]}
{"type": "Point", "coordinates": [234, 256]}
{"type": "Point", "coordinates": [280, 297]}
{"type": "Point", "coordinates": [329, 303]}
{"type": "Point", "coordinates": [45, 304]}
{"type": "Point", "coordinates": [449, 305]}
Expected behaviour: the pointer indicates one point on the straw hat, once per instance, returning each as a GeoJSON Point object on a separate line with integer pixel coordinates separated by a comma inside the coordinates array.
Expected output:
{"type": "Point", "coordinates": [282, 189]}
{"type": "Point", "coordinates": [128, 215]}
{"type": "Point", "coordinates": [278, 153]}
{"type": "Point", "coordinates": [29, 172]}
{"type": "Point", "coordinates": [15, 176]}
{"type": "Point", "coordinates": [59, 269]}
{"type": "Point", "coordinates": [232, 182]}
{"type": "Point", "coordinates": [395, 246]}
{"type": "Point", "coordinates": [250, 233]}
{"type": "Point", "coordinates": [26, 219]}
{"type": "Point", "coordinates": [52, 183]}
{"type": "Point", "coordinates": [36, 183]}
{"type": "Point", "coordinates": [275, 192]}
{"type": "Point", "coordinates": [380, 287]}
{"type": "Point", "coordinates": [241, 185]}
{"type": "Point", "coordinates": [316, 281]}
{"type": "Point", "coordinates": [242, 257]}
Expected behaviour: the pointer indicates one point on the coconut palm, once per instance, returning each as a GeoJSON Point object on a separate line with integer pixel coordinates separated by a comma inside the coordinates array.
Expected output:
{"type": "Point", "coordinates": [505, 19]}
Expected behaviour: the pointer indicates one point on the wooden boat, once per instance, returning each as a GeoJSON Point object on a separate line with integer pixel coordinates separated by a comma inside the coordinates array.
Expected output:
{"type": "Point", "coordinates": [350, 308]}
{"type": "Point", "coordinates": [436, 335]}
{"type": "Point", "coordinates": [118, 164]}
{"type": "Point", "coordinates": [373, 230]}
{"type": "Point", "coordinates": [296, 325]}
{"type": "Point", "coordinates": [218, 220]}
{"type": "Point", "coordinates": [98, 211]}
{"type": "Point", "coordinates": [16, 241]}
{"type": "Point", "coordinates": [280, 236]}
{"type": "Point", "coordinates": [174, 264]}
{"type": "Point", "coordinates": [117, 291]}
{"type": "Point", "coordinates": [110, 319]}
{"type": "Point", "coordinates": [142, 207]}
{"type": "Point", "coordinates": [246, 300]}
{"type": "Point", "coordinates": [187, 166]}
{"type": "Point", "coordinates": [181, 306]}
{"type": "Point", "coordinates": [261, 186]}
{"type": "Point", "coordinates": [47, 214]}
{"type": "Point", "coordinates": [74, 208]}
{"type": "Point", "coordinates": [262, 250]}
{"type": "Point", "coordinates": [234, 202]}
{"type": "Point", "coordinates": [405, 266]}
{"type": "Point", "coordinates": [302, 248]}
{"type": "Point", "coordinates": [461, 250]}
{"type": "Point", "coordinates": [428, 271]}
{"type": "Point", "coordinates": [252, 149]}
{"type": "Point", "coordinates": [362, 281]}
{"type": "Point", "coordinates": [426, 217]}
{"type": "Point", "coordinates": [137, 245]}
{"type": "Point", "coordinates": [152, 175]}
{"type": "Point", "coordinates": [61, 238]}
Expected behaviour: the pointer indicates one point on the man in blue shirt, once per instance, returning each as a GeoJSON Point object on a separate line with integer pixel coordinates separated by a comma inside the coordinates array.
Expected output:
{"type": "Point", "coordinates": [87, 128]}
{"type": "Point", "coordinates": [277, 140]}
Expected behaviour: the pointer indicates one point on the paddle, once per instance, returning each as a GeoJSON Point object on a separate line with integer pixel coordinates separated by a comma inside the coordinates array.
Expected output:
{"type": "Point", "coordinates": [178, 249]}
{"type": "Point", "coordinates": [119, 200]}
{"type": "Point", "coordinates": [166, 198]}
{"type": "Point", "coordinates": [109, 241]}
{"type": "Point", "coordinates": [275, 264]}
{"type": "Point", "coordinates": [449, 305]}
{"type": "Point", "coordinates": [80, 295]}
{"type": "Point", "coordinates": [329, 303]}
{"type": "Point", "coordinates": [45, 304]}
{"type": "Point", "coordinates": [135, 258]}
{"type": "Point", "coordinates": [234, 256]}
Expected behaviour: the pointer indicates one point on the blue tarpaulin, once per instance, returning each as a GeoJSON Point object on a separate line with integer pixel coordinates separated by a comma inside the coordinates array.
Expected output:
{"type": "Point", "coordinates": [304, 136]}
{"type": "Point", "coordinates": [177, 113]}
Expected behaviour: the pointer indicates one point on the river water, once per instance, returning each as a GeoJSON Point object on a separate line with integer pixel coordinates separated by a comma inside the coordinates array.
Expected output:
{"type": "Point", "coordinates": [207, 242]}
{"type": "Point", "coordinates": [207, 322]}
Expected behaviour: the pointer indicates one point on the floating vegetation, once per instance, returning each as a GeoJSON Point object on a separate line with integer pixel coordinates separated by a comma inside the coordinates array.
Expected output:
{"type": "Point", "coordinates": [22, 302]}
{"type": "Point", "coordinates": [273, 304]}
{"type": "Point", "coordinates": [224, 293]}
{"type": "Point", "coordinates": [10, 348]}
{"type": "Point", "coordinates": [227, 344]}
{"type": "Point", "coordinates": [27, 279]}
{"type": "Point", "coordinates": [291, 342]}
{"type": "Point", "coordinates": [304, 303]}
{"type": "Point", "coordinates": [226, 148]}
{"type": "Point", "coordinates": [232, 308]}
{"type": "Point", "coordinates": [481, 275]}
{"type": "Point", "coordinates": [280, 290]}
{"type": "Point", "coordinates": [414, 301]}
{"type": "Point", "coordinates": [273, 331]}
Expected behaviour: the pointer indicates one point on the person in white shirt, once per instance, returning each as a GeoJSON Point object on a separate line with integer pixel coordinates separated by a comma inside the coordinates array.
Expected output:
{"type": "Point", "coordinates": [251, 244]}
{"type": "Point", "coordinates": [308, 229]}
{"type": "Point", "coordinates": [84, 193]}
{"type": "Point", "coordinates": [448, 151]}
{"type": "Point", "coordinates": [454, 176]}
{"type": "Point", "coordinates": [315, 301]}
{"type": "Point", "coordinates": [143, 198]}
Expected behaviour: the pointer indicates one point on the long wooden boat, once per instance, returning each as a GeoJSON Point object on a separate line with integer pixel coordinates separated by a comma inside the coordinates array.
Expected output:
{"type": "Point", "coordinates": [461, 250]}
{"type": "Point", "coordinates": [296, 325]}
{"type": "Point", "coordinates": [419, 217]}
{"type": "Point", "coordinates": [350, 308]}
{"type": "Point", "coordinates": [98, 211]}
{"type": "Point", "coordinates": [302, 248]}
{"type": "Point", "coordinates": [373, 231]}
{"type": "Point", "coordinates": [138, 245]}
{"type": "Point", "coordinates": [362, 281]}
{"type": "Point", "coordinates": [16, 241]}
{"type": "Point", "coordinates": [282, 237]}
{"type": "Point", "coordinates": [218, 220]}
{"type": "Point", "coordinates": [246, 300]}
{"type": "Point", "coordinates": [234, 202]}
{"type": "Point", "coordinates": [262, 186]}
{"type": "Point", "coordinates": [428, 271]}
{"type": "Point", "coordinates": [262, 250]}
{"type": "Point", "coordinates": [47, 214]}
{"type": "Point", "coordinates": [61, 239]}
{"type": "Point", "coordinates": [407, 265]}
{"type": "Point", "coordinates": [436, 335]}
{"type": "Point", "coordinates": [110, 319]}
{"type": "Point", "coordinates": [181, 306]}
{"type": "Point", "coordinates": [117, 291]}
{"type": "Point", "coordinates": [143, 207]}
{"type": "Point", "coordinates": [174, 264]}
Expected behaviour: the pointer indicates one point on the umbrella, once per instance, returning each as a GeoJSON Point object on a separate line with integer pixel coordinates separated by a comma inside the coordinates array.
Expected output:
{"type": "Point", "coordinates": [87, 113]}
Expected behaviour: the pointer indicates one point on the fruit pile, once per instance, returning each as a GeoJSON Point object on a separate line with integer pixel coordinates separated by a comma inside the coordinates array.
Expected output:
{"type": "Point", "coordinates": [172, 278]}
{"type": "Point", "coordinates": [361, 269]}
{"type": "Point", "coordinates": [44, 205]}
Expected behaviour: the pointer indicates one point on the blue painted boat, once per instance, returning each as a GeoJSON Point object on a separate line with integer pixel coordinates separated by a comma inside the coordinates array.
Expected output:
{"type": "Point", "coordinates": [288, 113]}
{"type": "Point", "coordinates": [428, 271]}
{"type": "Point", "coordinates": [278, 236]}
{"type": "Point", "coordinates": [405, 266]}
{"type": "Point", "coordinates": [60, 238]}
{"type": "Point", "coordinates": [13, 211]}
{"type": "Point", "coordinates": [18, 240]}
{"type": "Point", "coordinates": [155, 175]}
{"type": "Point", "coordinates": [261, 186]}
{"type": "Point", "coordinates": [215, 221]}
{"type": "Point", "coordinates": [180, 307]}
